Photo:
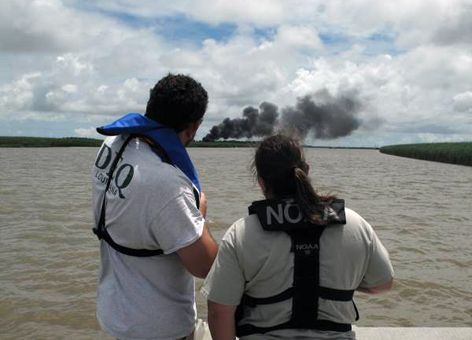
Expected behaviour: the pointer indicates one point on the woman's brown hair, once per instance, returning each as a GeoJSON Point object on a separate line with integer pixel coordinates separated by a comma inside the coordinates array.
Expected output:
{"type": "Point", "coordinates": [280, 163]}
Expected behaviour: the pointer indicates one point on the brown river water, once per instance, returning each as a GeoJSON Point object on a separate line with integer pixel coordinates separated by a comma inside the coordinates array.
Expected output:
{"type": "Point", "coordinates": [422, 212]}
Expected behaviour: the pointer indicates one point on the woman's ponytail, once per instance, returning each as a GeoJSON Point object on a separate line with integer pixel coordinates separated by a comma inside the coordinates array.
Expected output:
{"type": "Point", "coordinates": [305, 196]}
{"type": "Point", "coordinates": [280, 163]}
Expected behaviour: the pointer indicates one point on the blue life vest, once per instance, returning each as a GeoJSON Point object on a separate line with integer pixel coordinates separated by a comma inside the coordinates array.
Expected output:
{"type": "Point", "coordinates": [138, 125]}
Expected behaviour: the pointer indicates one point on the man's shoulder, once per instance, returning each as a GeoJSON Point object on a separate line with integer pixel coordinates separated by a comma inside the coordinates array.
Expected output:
{"type": "Point", "coordinates": [153, 172]}
{"type": "Point", "coordinates": [166, 176]}
{"type": "Point", "coordinates": [110, 140]}
{"type": "Point", "coordinates": [168, 180]}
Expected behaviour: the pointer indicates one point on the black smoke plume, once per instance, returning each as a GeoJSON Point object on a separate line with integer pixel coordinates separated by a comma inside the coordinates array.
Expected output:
{"type": "Point", "coordinates": [327, 118]}
{"type": "Point", "coordinates": [321, 114]}
{"type": "Point", "coordinates": [255, 123]}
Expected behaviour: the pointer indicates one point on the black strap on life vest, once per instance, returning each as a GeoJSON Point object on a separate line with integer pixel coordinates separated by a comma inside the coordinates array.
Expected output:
{"type": "Point", "coordinates": [306, 289]}
{"type": "Point", "coordinates": [101, 231]}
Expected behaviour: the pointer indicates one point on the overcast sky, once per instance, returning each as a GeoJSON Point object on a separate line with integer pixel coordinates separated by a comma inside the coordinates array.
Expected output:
{"type": "Point", "coordinates": [68, 66]}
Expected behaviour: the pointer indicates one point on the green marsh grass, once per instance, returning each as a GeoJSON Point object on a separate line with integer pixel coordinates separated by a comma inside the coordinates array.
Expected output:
{"type": "Point", "coordinates": [456, 153]}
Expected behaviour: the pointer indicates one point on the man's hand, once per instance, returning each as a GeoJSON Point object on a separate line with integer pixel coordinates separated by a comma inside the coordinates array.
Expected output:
{"type": "Point", "coordinates": [203, 204]}
{"type": "Point", "coordinates": [199, 256]}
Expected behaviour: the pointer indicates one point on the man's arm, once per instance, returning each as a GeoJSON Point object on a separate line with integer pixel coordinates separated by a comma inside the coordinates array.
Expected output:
{"type": "Point", "coordinates": [377, 290]}
{"type": "Point", "coordinates": [221, 321]}
{"type": "Point", "coordinates": [198, 257]}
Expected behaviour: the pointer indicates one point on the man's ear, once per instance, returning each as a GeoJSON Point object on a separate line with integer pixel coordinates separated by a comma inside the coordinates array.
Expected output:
{"type": "Point", "coordinates": [187, 134]}
{"type": "Point", "coordinates": [194, 127]}
{"type": "Point", "coordinates": [191, 129]}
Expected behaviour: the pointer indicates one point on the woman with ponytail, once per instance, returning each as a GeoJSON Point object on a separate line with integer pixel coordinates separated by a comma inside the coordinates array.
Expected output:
{"type": "Point", "coordinates": [289, 270]}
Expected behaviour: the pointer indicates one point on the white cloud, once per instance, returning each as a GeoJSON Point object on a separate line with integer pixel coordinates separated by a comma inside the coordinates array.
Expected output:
{"type": "Point", "coordinates": [87, 132]}
{"type": "Point", "coordinates": [265, 12]}
{"type": "Point", "coordinates": [298, 37]}
{"type": "Point", "coordinates": [437, 67]}
{"type": "Point", "coordinates": [18, 95]}
{"type": "Point", "coordinates": [48, 26]}
{"type": "Point", "coordinates": [463, 102]}
{"type": "Point", "coordinates": [71, 65]}
{"type": "Point", "coordinates": [76, 53]}
{"type": "Point", "coordinates": [241, 71]}
{"type": "Point", "coordinates": [69, 88]}
{"type": "Point", "coordinates": [36, 25]}
{"type": "Point", "coordinates": [413, 21]}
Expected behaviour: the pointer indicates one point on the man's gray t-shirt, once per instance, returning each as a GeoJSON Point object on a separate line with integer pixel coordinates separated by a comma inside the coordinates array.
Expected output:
{"type": "Point", "coordinates": [150, 205]}
{"type": "Point", "coordinates": [259, 263]}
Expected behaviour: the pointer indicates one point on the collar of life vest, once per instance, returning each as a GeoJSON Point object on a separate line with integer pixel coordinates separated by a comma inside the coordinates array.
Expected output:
{"type": "Point", "coordinates": [285, 214]}
{"type": "Point", "coordinates": [140, 126]}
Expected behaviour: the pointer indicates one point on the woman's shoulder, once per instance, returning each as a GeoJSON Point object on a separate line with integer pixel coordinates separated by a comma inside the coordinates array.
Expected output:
{"type": "Point", "coordinates": [243, 226]}
{"type": "Point", "coordinates": [352, 216]}
{"type": "Point", "coordinates": [248, 232]}
{"type": "Point", "coordinates": [357, 224]}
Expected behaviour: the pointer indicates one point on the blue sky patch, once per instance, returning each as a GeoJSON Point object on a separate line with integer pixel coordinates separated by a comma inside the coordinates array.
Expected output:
{"type": "Point", "coordinates": [178, 28]}
{"type": "Point", "coordinates": [377, 43]}
{"type": "Point", "coordinates": [381, 43]}
{"type": "Point", "coordinates": [330, 38]}
{"type": "Point", "coordinates": [183, 29]}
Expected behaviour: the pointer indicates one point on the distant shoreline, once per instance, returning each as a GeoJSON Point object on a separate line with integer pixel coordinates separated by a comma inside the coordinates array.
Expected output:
{"type": "Point", "coordinates": [454, 153]}
{"type": "Point", "coordinates": [44, 142]}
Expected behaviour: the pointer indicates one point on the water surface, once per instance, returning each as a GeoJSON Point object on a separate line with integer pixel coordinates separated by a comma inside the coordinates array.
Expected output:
{"type": "Point", "coordinates": [422, 211]}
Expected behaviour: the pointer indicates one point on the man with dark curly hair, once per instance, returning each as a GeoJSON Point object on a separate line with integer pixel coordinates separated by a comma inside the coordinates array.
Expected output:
{"type": "Point", "coordinates": [186, 99]}
{"type": "Point", "coordinates": [150, 216]}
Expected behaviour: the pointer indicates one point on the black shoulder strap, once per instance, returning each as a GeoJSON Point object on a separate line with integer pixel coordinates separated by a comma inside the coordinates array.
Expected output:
{"type": "Point", "coordinates": [306, 275]}
{"type": "Point", "coordinates": [101, 231]}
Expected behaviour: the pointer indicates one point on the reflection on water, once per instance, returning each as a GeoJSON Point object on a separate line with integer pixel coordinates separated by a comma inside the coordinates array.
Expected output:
{"type": "Point", "coordinates": [421, 211]}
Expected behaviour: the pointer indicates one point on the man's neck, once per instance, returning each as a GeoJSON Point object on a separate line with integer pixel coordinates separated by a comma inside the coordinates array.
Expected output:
{"type": "Point", "coordinates": [183, 139]}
